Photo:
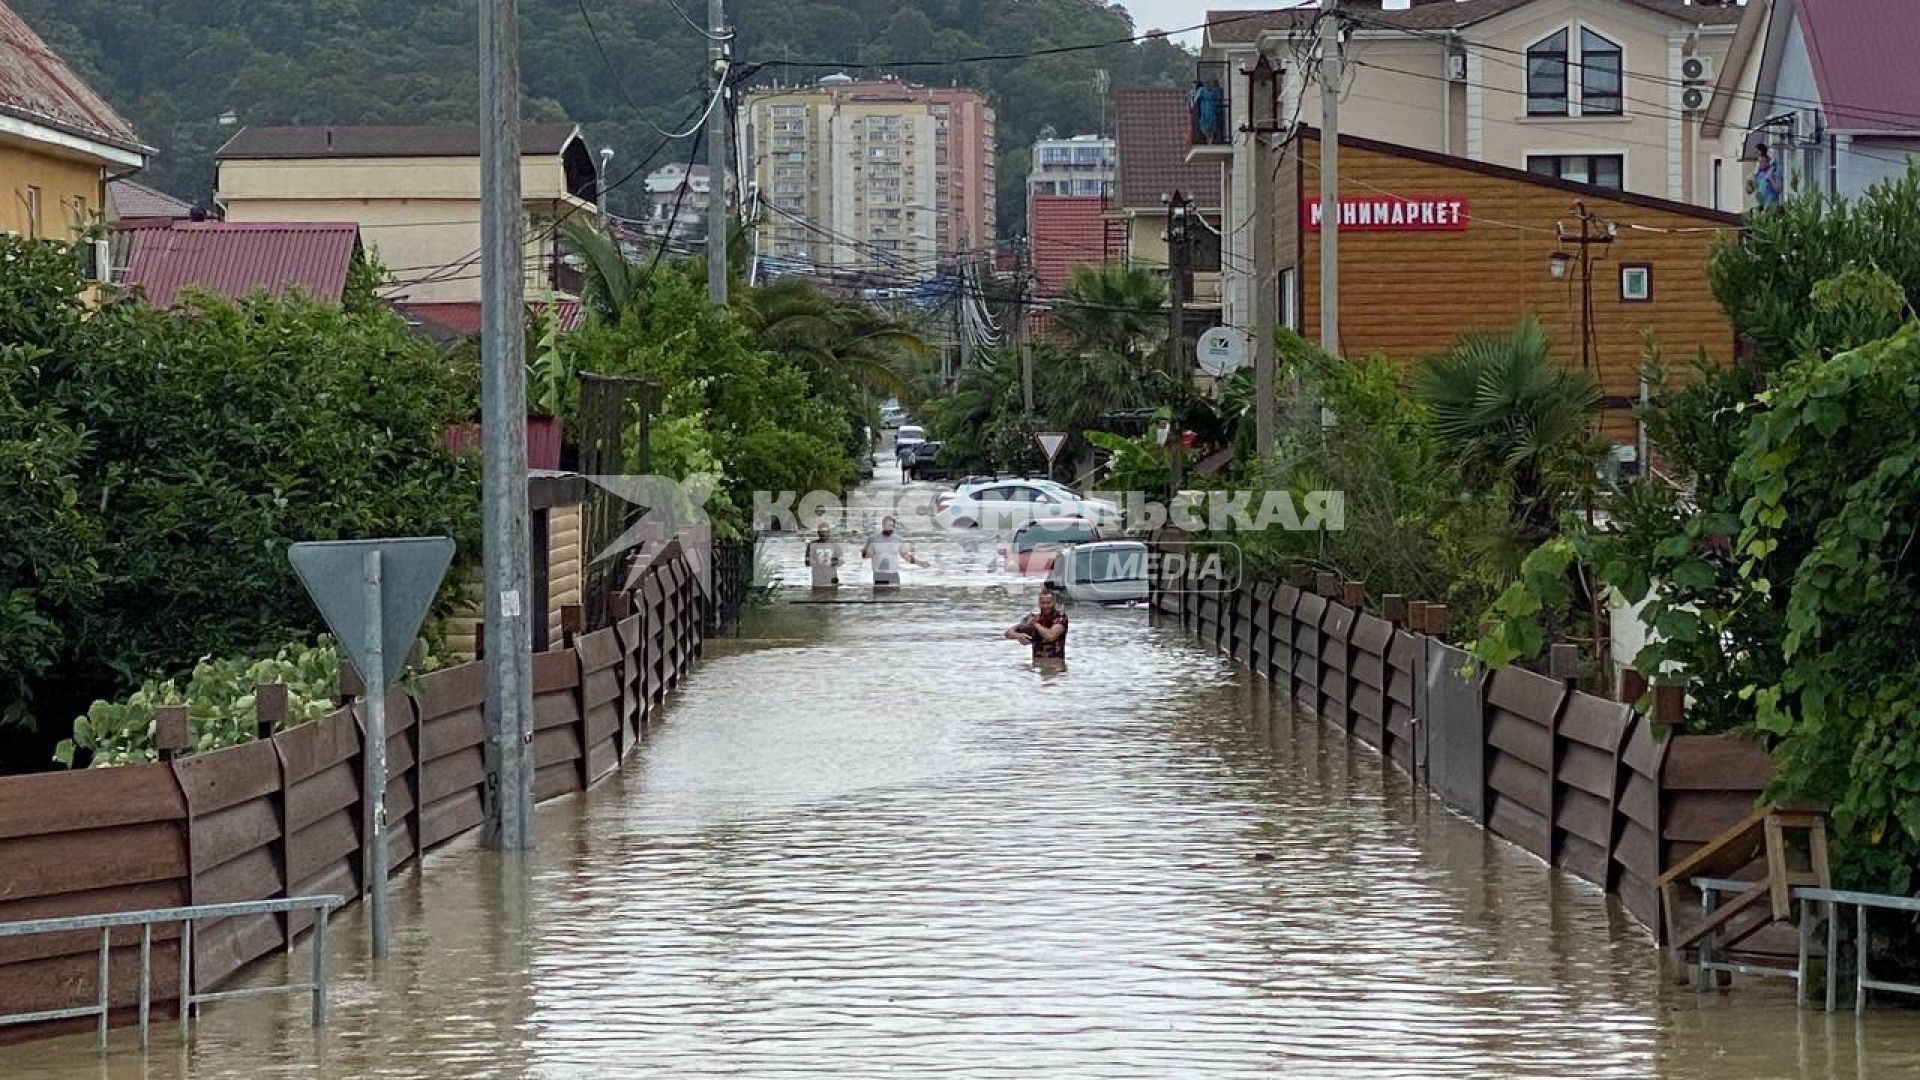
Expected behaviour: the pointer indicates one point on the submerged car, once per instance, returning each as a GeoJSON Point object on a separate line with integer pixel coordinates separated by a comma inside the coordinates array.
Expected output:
{"type": "Point", "coordinates": [1103, 572]}
{"type": "Point", "coordinates": [917, 462]}
{"type": "Point", "coordinates": [1011, 503]}
{"type": "Point", "coordinates": [1036, 543]}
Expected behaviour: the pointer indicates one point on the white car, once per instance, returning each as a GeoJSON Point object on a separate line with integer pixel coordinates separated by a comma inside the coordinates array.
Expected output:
{"type": "Point", "coordinates": [1005, 504]}
{"type": "Point", "coordinates": [1103, 572]}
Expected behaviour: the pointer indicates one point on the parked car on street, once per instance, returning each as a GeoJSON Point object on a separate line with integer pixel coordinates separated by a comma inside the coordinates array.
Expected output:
{"type": "Point", "coordinates": [917, 462]}
{"type": "Point", "coordinates": [892, 416]}
{"type": "Point", "coordinates": [1010, 503]}
{"type": "Point", "coordinates": [1104, 572]}
{"type": "Point", "coordinates": [1035, 544]}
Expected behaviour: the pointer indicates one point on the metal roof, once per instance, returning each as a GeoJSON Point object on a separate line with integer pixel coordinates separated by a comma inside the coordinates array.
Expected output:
{"type": "Point", "coordinates": [131, 201]}
{"type": "Point", "coordinates": [1862, 54]}
{"type": "Point", "coordinates": [1235, 28]}
{"type": "Point", "coordinates": [365, 141]}
{"type": "Point", "coordinates": [1151, 143]}
{"type": "Point", "coordinates": [237, 260]}
{"type": "Point", "coordinates": [1067, 231]}
{"type": "Point", "coordinates": [36, 85]}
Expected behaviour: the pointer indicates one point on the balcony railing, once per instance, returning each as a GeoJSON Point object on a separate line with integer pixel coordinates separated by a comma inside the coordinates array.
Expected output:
{"type": "Point", "coordinates": [1208, 105]}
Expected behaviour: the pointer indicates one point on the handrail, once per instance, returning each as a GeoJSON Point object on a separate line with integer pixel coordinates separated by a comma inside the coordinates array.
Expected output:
{"type": "Point", "coordinates": [1831, 900]}
{"type": "Point", "coordinates": [107, 921]}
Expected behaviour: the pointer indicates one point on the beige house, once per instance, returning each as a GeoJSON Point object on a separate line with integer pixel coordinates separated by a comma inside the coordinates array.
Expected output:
{"type": "Point", "coordinates": [1628, 95]}
{"type": "Point", "coordinates": [415, 194]}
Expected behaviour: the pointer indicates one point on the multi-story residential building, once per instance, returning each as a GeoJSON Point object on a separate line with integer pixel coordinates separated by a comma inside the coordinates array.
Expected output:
{"type": "Point", "coordinates": [1613, 93]}
{"type": "Point", "coordinates": [1080, 166]}
{"type": "Point", "coordinates": [1152, 167]}
{"type": "Point", "coordinates": [415, 194]}
{"type": "Point", "coordinates": [60, 142]}
{"type": "Point", "coordinates": [882, 177]}
{"type": "Point", "coordinates": [1838, 96]}
{"type": "Point", "coordinates": [677, 202]}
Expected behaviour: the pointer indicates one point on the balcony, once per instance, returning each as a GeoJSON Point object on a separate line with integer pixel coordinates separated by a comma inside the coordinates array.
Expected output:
{"type": "Point", "coordinates": [1209, 119]}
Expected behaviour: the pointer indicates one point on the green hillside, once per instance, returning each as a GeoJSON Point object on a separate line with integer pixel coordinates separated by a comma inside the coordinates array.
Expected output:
{"type": "Point", "coordinates": [175, 66]}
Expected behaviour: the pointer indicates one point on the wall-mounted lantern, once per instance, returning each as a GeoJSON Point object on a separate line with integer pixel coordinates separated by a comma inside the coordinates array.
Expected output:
{"type": "Point", "coordinates": [1263, 96]}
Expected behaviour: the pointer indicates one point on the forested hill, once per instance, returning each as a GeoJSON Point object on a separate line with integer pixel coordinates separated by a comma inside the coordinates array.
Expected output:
{"type": "Point", "coordinates": [174, 66]}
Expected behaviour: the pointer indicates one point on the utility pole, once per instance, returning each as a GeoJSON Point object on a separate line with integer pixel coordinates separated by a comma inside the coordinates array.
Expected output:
{"type": "Point", "coordinates": [1266, 292]}
{"type": "Point", "coordinates": [1020, 282]}
{"type": "Point", "coordinates": [1329, 35]}
{"type": "Point", "coordinates": [1179, 273]}
{"type": "Point", "coordinates": [503, 426]}
{"type": "Point", "coordinates": [1594, 230]}
{"type": "Point", "coordinates": [719, 120]}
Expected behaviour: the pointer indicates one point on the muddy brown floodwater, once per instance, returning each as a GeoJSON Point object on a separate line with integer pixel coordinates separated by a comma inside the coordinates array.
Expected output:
{"type": "Point", "coordinates": [871, 838]}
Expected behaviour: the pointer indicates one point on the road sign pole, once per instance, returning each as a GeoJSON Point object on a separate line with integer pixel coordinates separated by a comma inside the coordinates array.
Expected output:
{"type": "Point", "coordinates": [376, 755]}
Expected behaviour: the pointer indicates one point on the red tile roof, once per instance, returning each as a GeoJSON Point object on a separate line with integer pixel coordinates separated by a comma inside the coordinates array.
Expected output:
{"type": "Point", "coordinates": [1863, 63]}
{"type": "Point", "coordinates": [1067, 231]}
{"type": "Point", "coordinates": [1150, 141]}
{"type": "Point", "coordinates": [461, 318]}
{"type": "Point", "coordinates": [236, 260]}
{"type": "Point", "coordinates": [36, 85]}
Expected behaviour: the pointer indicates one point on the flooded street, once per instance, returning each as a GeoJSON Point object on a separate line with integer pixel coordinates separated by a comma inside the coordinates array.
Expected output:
{"type": "Point", "coordinates": [872, 838]}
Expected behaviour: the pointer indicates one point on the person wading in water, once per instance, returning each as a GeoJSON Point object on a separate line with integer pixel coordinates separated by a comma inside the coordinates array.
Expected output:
{"type": "Point", "coordinates": [888, 551]}
{"type": "Point", "coordinates": [1045, 630]}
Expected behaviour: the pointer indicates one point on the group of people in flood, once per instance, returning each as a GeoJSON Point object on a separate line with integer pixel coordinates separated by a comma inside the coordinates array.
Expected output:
{"type": "Point", "coordinates": [1044, 630]}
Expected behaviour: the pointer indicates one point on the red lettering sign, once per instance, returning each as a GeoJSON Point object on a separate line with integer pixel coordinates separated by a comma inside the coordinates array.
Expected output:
{"type": "Point", "coordinates": [1392, 213]}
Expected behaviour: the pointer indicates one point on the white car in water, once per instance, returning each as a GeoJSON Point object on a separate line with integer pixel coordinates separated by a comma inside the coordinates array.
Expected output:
{"type": "Point", "coordinates": [1007, 504]}
{"type": "Point", "coordinates": [1104, 572]}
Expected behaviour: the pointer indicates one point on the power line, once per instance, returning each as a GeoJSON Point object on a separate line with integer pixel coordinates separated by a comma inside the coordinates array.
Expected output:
{"type": "Point", "coordinates": [986, 58]}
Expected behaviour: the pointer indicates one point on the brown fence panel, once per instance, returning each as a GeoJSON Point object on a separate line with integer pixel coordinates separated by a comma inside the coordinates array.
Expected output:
{"type": "Point", "coordinates": [600, 695]}
{"type": "Point", "coordinates": [1336, 660]}
{"type": "Point", "coordinates": [1707, 783]}
{"type": "Point", "coordinates": [320, 767]}
{"type": "Point", "coordinates": [76, 843]}
{"type": "Point", "coordinates": [1240, 629]}
{"type": "Point", "coordinates": [452, 752]}
{"type": "Point", "coordinates": [235, 835]}
{"type": "Point", "coordinates": [653, 630]}
{"type": "Point", "coordinates": [1591, 734]}
{"type": "Point", "coordinates": [1286, 599]}
{"type": "Point", "coordinates": [1522, 708]}
{"type": "Point", "coordinates": [1636, 848]}
{"type": "Point", "coordinates": [1260, 632]}
{"type": "Point", "coordinates": [402, 779]}
{"type": "Point", "coordinates": [1366, 690]}
{"type": "Point", "coordinates": [633, 683]}
{"type": "Point", "coordinates": [556, 725]}
{"type": "Point", "coordinates": [1404, 660]}
{"type": "Point", "coordinates": [1307, 617]}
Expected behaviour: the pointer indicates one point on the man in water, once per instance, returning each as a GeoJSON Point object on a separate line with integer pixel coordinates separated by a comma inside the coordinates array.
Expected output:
{"type": "Point", "coordinates": [823, 558]}
{"type": "Point", "coordinates": [888, 551]}
{"type": "Point", "coordinates": [1045, 630]}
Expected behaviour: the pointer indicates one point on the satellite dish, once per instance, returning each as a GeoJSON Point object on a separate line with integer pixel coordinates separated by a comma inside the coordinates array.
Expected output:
{"type": "Point", "coordinates": [1222, 351]}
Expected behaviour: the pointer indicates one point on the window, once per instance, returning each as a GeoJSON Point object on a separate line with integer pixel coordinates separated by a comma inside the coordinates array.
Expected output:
{"type": "Point", "coordinates": [1289, 317]}
{"type": "Point", "coordinates": [1636, 283]}
{"type": "Point", "coordinates": [1600, 75]}
{"type": "Point", "coordinates": [1719, 166]}
{"type": "Point", "coordinates": [1600, 170]}
{"type": "Point", "coordinates": [1547, 76]}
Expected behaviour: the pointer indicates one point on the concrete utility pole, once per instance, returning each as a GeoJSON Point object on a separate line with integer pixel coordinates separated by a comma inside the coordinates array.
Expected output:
{"type": "Point", "coordinates": [503, 425]}
{"type": "Point", "coordinates": [718, 122]}
{"type": "Point", "coordinates": [1179, 273]}
{"type": "Point", "coordinates": [1020, 282]}
{"type": "Point", "coordinates": [1329, 34]}
{"type": "Point", "coordinates": [1266, 291]}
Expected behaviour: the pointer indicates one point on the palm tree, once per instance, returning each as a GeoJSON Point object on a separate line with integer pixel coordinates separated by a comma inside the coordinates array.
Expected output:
{"type": "Point", "coordinates": [1114, 309]}
{"type": "Point", "coordinates": [1510, 418]}
{"type": "Point", "coordinates": [850, 343]}
{"type": "Point", "coordinates": [612, 281]}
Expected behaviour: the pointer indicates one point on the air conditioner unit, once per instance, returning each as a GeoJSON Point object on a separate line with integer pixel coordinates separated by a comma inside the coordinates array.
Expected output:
{"type": "Point", "coordinates": [1695, 98]}
{"type": "Point", "coordinates": [1457, 67]}
{"type": "Point", "coordinates": [1806, 126]}
{"type": "Point", "coordinates": [1696, 69]}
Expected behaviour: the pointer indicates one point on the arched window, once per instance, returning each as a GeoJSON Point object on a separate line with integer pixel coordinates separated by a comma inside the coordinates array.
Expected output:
{"type": "Point", "coordinates": [1547, 76]}
{"type": "Point", "coordinates": [1600, 75]}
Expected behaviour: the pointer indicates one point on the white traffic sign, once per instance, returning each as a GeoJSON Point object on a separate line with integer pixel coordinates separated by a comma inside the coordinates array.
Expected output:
{"type": "Point", "coordinates": [1222, 351]}
{"type": "Point", "coordinates": [1050, 443]}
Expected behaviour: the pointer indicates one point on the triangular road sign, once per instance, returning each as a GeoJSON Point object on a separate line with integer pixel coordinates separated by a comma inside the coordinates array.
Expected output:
{"type": "Point", "coordinates": [1050, 443]}
{"type": "Point", "coordinates": [335, 573]}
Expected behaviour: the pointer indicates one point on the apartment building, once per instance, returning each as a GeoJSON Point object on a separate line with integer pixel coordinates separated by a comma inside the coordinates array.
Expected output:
{"type": "Point", "coordinates": [1623, 95]}
{"type": "Point", "coordinates": [1080, 166]}
{"type": "Point", "coordinates": [881, 177]}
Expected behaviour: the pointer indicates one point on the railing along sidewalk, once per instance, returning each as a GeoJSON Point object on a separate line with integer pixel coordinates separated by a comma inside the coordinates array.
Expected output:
{"type": "Point", "coordinates": [106, 922]}
{"type": "Point", "coordinates": [1808, 897]}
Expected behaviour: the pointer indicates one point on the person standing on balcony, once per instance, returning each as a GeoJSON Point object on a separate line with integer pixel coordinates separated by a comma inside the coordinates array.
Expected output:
{"type": "Point", "coordinates": [1213, 113]}
{"type": "Point", "coordinates": [1196, 127]}
{"type": "Point", "coordinates": [1767, 184]}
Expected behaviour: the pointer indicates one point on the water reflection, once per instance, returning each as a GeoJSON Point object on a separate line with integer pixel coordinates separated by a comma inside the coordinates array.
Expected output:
{"type": "Point", "coordinates": [877, 837]}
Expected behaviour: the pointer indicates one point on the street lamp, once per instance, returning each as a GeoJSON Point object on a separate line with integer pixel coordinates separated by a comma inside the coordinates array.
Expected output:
{"type": "Point", "coordinates": [1263, 97]}
{"type": "Point", "coordinates": [1557, 264]}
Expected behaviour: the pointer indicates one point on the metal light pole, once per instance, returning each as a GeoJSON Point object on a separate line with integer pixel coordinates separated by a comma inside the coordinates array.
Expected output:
{"type": "Point", "coordinates": [503, 425]}
{"type": "Point", "coordinates": [718, 122]}
{"type": "Point", "coordinates": [1178, 364]}
{"type": "Point", "coordinates": [1330, 23]}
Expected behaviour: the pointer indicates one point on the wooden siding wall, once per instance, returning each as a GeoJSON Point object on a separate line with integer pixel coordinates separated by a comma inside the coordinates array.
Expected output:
{"type": "Point", "coordinates": [285, 816]}
{"type": "Point", "coordinates": [566, 564]}
{"type": "Point", "coordinates": [1582, 782]}
{"type": "Point", "coordinates": [1408, 294]}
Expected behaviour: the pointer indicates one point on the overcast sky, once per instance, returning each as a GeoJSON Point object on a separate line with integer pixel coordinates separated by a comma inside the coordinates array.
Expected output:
{"type": "Point", "coordinates": [1173, 14]}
